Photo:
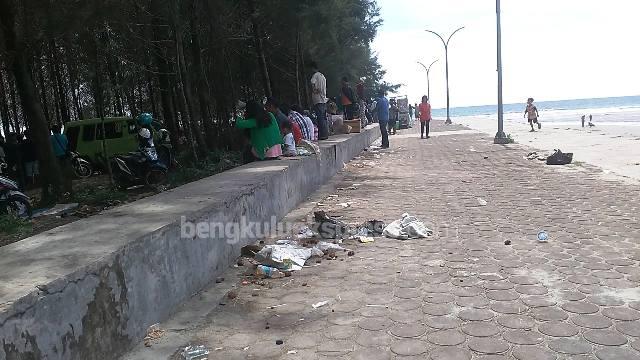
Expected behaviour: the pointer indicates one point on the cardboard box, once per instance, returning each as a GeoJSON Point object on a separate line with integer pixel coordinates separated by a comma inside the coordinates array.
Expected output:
{"type": "Point", "coordinates": [355, 125]}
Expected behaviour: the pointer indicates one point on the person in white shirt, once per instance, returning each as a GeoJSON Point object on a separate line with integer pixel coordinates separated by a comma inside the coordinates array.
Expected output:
{"type": "Point", "coordinates": [289, 146]}
{"type": "Point", "coordinates": [319, 99]}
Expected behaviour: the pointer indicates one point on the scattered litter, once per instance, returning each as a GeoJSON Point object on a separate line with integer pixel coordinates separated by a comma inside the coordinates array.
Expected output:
{"type": "Point", "coordinates": [218, 348]}
{"type": "Point", "coordinates": [406, 228]}
{"type": "Point", "coordinates": [325, 246]}
{"type": "Point", "coordinates": [482, 202]}
{"type": "Point", "coordinates": [232, 295]}
{"type": "Point", "coordinates": [268, 272]}
{"type": "Point", "coordinates": [351, 253]}
{"type": "Point", "coordinates": [320, 204]}
{"type": "Point", "coordinates": [58, 209]}
{"type": "Point", "coordinates": [507, 242]}
{"type": "Point", "coordinates": [276, 306]}
{"type": "Point", "coordinates": [365, 239]}
{"type": "Point", "coordinates": [292, 352]}
{"type": "Point", "coordinates": [199, 352]}
{"type": "Point", "coordinates": [345, 204]}
{"type": "Point", "coordinates": [560, 158]}
{"type": "Point", "coordinates": [329, 227]}
{"type": "Point", "coordinates": [543, 236]}
{"type": "Point", "coordinates": [285, 257]}
{"type": "Point", "coordinates": [320, 304]}
{"type": "Point", "coordinates": [250, 250]}
{"type": "Point", "coordinates": [305, 232]}
{"type": "Point", "coordinates": [219, 279]}
{"type": "Point", "coordinates": [279, 342]}
{"type": "Point", "coordinates": [153, 333]}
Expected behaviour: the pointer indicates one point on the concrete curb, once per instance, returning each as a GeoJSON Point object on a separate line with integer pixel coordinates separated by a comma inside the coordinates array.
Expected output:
{"type": "Point", "coordinates": [90, 289]}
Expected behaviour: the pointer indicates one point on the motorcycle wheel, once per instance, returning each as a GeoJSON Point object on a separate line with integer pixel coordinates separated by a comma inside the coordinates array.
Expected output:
{"type": "Point", "coordinates": [82, 170]}
{"type": "Point", "coordinates": [18, 206]}
{"type": "Point", "coordinates": [155, 177]}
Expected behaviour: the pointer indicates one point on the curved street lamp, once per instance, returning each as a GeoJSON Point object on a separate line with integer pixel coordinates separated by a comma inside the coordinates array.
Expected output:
{"type": "Point", "coordinates": [427, 69]}
{"type": "Point", "coordinates": [446, 59]}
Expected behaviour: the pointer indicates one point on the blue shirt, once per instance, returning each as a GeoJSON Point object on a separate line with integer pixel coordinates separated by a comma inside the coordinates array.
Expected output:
{"type": "Point", "coordinates": [382, 109]}
{"type": "Point", "coordinates": [60, 144]}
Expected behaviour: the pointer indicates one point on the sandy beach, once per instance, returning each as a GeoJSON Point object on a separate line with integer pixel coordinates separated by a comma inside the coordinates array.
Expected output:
{"type": "Point", "coordinates": [612, 145]}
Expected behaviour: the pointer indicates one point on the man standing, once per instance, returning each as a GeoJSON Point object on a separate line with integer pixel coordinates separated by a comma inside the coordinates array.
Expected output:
{"type": "Point", "coordinates": [425, 116]}
{"type": "Point", "coordinates": [319, 99]}
{"type": "Point", "coordinates": [347, 99]}
{"type": "Point", "coordinates": [531, 112]}
{"type": "Point", "coordinates": [361, 102]}
{"type": "Point", "coordinates": [382, 111]}
{"type": "Point", "coordinates": [61, 149]}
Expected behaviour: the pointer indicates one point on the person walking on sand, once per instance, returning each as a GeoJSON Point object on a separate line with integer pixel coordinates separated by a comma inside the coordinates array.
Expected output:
{"type": "Point", "coordinates": [583, 117]}
{"type": "Point", "coordinates": [531, 112]}
{"type": "Point", "coordinates": [425, 117]}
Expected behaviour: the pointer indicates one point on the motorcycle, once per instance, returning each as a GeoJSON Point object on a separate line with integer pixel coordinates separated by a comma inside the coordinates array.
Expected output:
{"type": "Point", "coordinates": [12, 200]}
{"type": "Point", "coordinates": [136, 168]}
{"type": "Point", "coordinates": [81, 167]}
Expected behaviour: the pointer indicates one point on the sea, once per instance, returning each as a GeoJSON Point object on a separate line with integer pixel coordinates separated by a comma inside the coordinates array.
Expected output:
{"type": "Point", "coordinates": [598, 106]}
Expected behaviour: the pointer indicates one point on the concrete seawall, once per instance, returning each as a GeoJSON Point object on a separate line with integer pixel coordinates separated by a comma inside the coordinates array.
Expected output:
{"type": "Point", "coordinates": [89, 289]}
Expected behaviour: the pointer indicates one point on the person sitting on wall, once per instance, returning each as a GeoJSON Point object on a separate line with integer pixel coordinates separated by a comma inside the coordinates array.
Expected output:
{"type": "Point", "coordinates": [289, 146]}
{"type": "Point", "coordinates": [264, 132]}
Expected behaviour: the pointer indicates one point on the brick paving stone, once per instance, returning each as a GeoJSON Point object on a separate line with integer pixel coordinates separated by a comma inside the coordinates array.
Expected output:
{"type": "Point", "coordinates": [580, 307]}
{"type": "Point", "coordinates": [605, 300]}
{"type": "Point", "coordinates": [408, 347]}
{"type": "Point", "coordinates": [570, 346]}
{"type": "Point", "coordinates": [617, 354]}
{"type": "Point", "coordinates": [592, 321]}
{"type": "Point", "coordinates": [533, 353]}
{"type": "Point", "coordinates": [481, 329]}
{"type": "Point", "coordinates": [508, 307]}
{"type": "Point", "coordinates": [605, 337]}
{"type": "Point", "coordinates": [549, 314]}
{"type": "Point", "coordinates": [371, 354]}
{"type": "Point", "coordinates": [340, 332]}
{"type": "Point", "coordinates": [374, 324]}
{"type": "Point", "coordinates": [443, 322]}
{"type": "Point", "coordinates": [368, 338]}
{"type": "Point", "coordinates": [631, 328]}
{"type": "Point", "coordinates": [624, 314]}
{"type": "Point", "coordinates": [437, 309]}
{"type": "Point", "coordinates": [475, 315]}
{"type": "Point", "coordinates": [636, 345]}
{"type": "Point", "coordinates": [474, 301]}
{"type": "Point", "coordinates": [446, 337]}
{"type": "Point", "coordinates": [523, 337]}
{"type": "Point", "coordinates": [488, 345]}
{"type": "Point", "coordinates": [558, 329]}
{"type": "Point", "coordinates": [450, 353]}
{"type": "Point", "coordinates": [439, 298]}
{"type": "Point", "coordinates": [406, 317]}
{"type": "Point", "coordinates": [502, 295]}
{"type": "Point", "coordinates": [572, 295]}
{"type": "Point", "coordinates": [538, 301]}
{"type": "Point", "coordinates": [408, 330]}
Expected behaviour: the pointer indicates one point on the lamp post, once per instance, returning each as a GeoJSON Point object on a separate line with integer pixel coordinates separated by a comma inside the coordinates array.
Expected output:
{"type": "Point", "coordinates": [446, 60]}
{"type": "Point", "coordinates": [501, 137]}
{"type": "Point", "coordinates": [428, 69]}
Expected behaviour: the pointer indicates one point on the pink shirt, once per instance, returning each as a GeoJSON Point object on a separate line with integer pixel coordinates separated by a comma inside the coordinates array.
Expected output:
{"type": "Point", "coordinates": [425, 112]}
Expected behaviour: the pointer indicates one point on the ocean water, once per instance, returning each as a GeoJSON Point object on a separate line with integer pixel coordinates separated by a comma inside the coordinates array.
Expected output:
{"type": "Point", "coordinates": [600, 106]}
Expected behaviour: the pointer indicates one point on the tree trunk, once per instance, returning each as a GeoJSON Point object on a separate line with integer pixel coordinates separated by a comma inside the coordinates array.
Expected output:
{"type": "Point", "coordinates": [72, 69]}
{"type": "Point", "coordinates": [299, 96]}
{"type": "Point", "coordinates": [51, 175]}
{"type": "Point", "coordinates": [43, 89]}
{"type": "Point", "coordinates": [60, 85]}
{"type": "Point", "coordinates": [56, 94]}
{"type": "Point", "coordinates": [4, 107]}
{"type": "Point", "coordinates": [257, 39]}
{"type": "Point", "coordinates": [201, 82]}
{"type": "Point", "coordinates": [14, 104]}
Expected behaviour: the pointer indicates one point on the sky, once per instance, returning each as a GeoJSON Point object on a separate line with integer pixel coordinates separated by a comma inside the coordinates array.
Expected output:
{"type": "Point", "coordinates": [551, 49]}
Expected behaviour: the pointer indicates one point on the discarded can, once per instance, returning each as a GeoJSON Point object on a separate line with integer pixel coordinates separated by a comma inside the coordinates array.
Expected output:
{"type": "Point", "coordinates": [543, 236]}
{"type": "Point", "coordinates": [199, 352]}
{"type": "Point", "coordinates": [269, 272]}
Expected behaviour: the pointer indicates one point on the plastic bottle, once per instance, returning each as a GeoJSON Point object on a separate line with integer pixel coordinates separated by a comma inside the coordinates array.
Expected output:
{"type": "Point", "coordinates": [543, 236]}
{"type": "Point", "coordinates": [269, 272]}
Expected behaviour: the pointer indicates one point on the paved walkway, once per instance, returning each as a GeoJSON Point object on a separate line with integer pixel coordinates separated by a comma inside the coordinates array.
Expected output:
{"type": "Point", "coordinates": [463, 293]}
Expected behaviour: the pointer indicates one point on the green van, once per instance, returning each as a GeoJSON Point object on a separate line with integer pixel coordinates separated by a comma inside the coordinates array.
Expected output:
{"type": "Point", "coordinates": [85, 137]}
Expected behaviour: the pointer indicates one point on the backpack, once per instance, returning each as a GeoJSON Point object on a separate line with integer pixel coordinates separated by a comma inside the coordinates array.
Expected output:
{"type": "Point", "coordinates": [560, 158]}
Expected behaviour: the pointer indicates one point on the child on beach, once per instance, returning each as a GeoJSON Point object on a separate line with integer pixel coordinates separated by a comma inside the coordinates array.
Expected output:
{"type": "Point", "coordinates": [289, 146]}
{"type": "Point", "coordinates": [531, 112]}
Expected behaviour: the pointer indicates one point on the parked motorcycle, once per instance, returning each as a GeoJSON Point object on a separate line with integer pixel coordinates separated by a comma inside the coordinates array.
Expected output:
{"type": "Point", "coordinates": [136, 169]}
{"type": "Point", "coordinates": [81, 167]}
{"type": "Point", "coordinates": [12, 200]}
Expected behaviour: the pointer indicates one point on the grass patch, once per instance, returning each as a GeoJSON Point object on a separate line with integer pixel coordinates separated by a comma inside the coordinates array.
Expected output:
{"type": "Point", "coordinates": [12, 225]}
{"type": "Point", "coordinates": [510, 139]}
{"type": "Point", "coordinates": [215, 162]}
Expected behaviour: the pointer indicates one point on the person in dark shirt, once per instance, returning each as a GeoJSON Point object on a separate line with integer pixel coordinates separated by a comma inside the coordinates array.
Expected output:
{"type": "Point", "coordinates": [29, 158]}
{"type": "Point", "coordinates": [347, 99]}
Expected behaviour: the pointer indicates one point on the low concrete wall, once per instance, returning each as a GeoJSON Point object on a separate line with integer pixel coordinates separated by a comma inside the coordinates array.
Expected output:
{"type": "Point", "coordinates": [88, 290]}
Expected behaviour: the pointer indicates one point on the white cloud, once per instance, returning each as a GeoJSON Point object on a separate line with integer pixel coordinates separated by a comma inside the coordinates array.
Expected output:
{"type": "Point", "coordinates": [552, 49]}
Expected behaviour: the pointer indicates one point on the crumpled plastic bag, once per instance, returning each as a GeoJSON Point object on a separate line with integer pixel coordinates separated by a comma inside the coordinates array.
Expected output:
{"type": "Point", "coordinates": [288, 257]}
{"type": "Point", "coordinates": [408, 227]}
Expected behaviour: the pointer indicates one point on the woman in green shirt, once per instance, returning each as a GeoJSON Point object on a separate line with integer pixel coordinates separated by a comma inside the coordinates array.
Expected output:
{"type": "Point", "coordinates": [264, 133]}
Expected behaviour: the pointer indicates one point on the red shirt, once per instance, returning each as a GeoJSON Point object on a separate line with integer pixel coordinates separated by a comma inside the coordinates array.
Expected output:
{"type": "Point", "coordinates": [297, 133]}
{"type": "Point", "coordinates": [425, 112]}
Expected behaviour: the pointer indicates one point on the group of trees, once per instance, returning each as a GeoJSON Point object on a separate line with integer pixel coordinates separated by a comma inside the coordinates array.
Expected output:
{"type": "Point", "coordinates": [186, 61]}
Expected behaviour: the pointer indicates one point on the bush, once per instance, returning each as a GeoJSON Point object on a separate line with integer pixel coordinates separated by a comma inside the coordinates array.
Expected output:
{"type": "Point", "coordinates": [215, 162]}
{"type": "Point", "coordinates": [12, 225]}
